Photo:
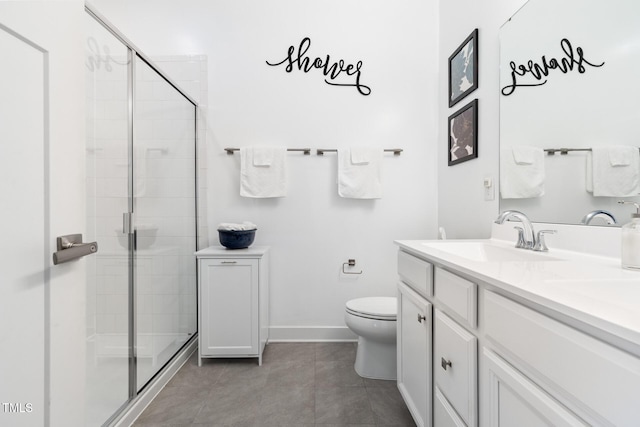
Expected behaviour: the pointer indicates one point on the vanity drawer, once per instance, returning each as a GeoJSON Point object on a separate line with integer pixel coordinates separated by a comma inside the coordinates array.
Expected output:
{"type": "Point", "coordinates": [416, 272]}
{"type": "Point", "coordinates": [567, 362]}
{"type": "Point", "coordinates": [455, 364]}
{"type": "Point", "coordinates": [458, 294]}
{"type": "Point", "coordinates": [443, 414]}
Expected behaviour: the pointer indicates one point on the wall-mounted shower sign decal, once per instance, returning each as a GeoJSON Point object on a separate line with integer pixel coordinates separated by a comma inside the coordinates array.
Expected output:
{"type": "Point", "coordinates": [97, 56]}
{"type": "Point", "coordinates": [573, 60]}
{"type": "Point", "coordinates": [297, 59]}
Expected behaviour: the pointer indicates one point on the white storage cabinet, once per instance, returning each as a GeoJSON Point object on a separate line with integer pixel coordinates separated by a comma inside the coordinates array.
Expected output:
{"type": "Point", "coordinates": [233, 301]}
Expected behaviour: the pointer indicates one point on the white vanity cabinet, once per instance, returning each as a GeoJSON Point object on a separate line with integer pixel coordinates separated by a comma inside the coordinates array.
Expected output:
{"type": "Point", "coordinates": [437, 357]}
{"type": "Point", "coordinates": [571, 377]}
{"type": "Point", "coordinates": [414, 343]}
{"type": "Point", "coordinates": [414, 353]}
{"type": "Point", "coordinates": [455, 348]}
{"type": "Point", "coordinates": [233, 301]}
{"type": "Point", "coordinates": [516, 345]}
{"type": "Point", "coordinates": [455, 370]}
{"type": "Point", "coordinates": [513, 400]}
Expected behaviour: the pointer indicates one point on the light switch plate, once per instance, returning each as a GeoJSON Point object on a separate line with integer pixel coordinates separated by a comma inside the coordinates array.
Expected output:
{"type": "Point", "coordinates": [489, 190]}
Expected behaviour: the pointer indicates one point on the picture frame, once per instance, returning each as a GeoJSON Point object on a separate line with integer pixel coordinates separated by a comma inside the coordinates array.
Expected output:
{"type": "Point", "coordinates": [462, 140]}
{"type": "Point", "coordinates": [463, 69]}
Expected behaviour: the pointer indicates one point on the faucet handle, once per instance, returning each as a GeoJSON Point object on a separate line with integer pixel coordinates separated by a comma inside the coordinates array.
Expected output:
{"type": "Point", "coordinates": [541, 245]}
{"type": "Point", "coordinates": [520, 243]}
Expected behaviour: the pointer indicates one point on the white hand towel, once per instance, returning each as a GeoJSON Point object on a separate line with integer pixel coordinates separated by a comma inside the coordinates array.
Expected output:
{"type": "Point", "coordinates": [360, 155]}
{"type": "Point", "coordinates": [621, 156]}
{"type": "Point", "coordinates": [260, 181]}
{"type": "Point", "coordinates": [360, 180]}
{"type": "Point", "coordinates": [521, 172]}
{"type": "Point", "coordinates": [262, 156]}
{"type": "Point", "coordinates": [614, 172]}
{"type": "Point", "coordinates": [524, 154]}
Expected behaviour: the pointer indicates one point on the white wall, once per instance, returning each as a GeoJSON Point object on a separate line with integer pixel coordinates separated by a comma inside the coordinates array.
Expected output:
{"type": "Point", "coordinates": [462, 209]}
{"type": "Point", "coordinates": [312, 231]}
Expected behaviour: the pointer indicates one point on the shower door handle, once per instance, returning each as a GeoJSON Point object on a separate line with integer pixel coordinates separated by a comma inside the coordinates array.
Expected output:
{"type": "Point", "coordinates": [127, 223]}
{"type": "Point", "coordinates": [70, 247]}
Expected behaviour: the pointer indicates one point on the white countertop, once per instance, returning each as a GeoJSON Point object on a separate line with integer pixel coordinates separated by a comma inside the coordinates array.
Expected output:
{"type": "Point", "coordinates": [591, 289]}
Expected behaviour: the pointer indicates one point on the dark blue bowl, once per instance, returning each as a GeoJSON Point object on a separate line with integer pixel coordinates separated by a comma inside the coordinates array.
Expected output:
{"type": "Point", "coordinates": [236, 239]}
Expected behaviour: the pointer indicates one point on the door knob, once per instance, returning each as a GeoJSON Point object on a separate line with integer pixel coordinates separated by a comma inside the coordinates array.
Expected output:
{"type": "Point", "coordinates": [444, 363]}
{"type": "Point", "coordinates": [421, 318]}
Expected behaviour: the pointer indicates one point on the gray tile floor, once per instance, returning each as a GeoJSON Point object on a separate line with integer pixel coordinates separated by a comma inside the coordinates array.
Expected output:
{"type": "Point", "coordinates": [298, 385]}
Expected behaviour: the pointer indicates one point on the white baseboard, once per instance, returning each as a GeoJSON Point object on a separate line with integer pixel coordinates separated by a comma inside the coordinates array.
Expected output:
{"type": "Point", "coordinates": [310, 334]}
{"type": "Point", "coordinates": [139, 404]}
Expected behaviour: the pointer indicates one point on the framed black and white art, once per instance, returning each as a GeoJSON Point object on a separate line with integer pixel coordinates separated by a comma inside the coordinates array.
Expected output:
{"type": "Point", "coordinates": [463, 134]}
{"type": "Point", "coordinates": [463, 69]}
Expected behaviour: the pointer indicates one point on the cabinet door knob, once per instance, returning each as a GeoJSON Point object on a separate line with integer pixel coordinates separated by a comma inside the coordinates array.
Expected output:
{"type": "Point", "coordinates": [444, 363]}
{"type": "Point", "coordinates": [421, 318]}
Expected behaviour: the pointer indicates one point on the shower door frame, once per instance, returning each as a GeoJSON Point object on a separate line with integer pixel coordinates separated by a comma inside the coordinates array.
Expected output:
{"type": "Point", "coordinates": [128, 217]}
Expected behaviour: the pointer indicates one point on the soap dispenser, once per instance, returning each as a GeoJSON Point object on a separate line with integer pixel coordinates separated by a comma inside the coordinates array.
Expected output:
{"type": "Point", "coordinates": [631, 239]}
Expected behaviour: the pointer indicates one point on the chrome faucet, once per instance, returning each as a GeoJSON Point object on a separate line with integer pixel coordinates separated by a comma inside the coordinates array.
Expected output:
{"type": "Point", "coordinates": [526, 237]}
{"type": "Point", "coordinates": [608, 217]}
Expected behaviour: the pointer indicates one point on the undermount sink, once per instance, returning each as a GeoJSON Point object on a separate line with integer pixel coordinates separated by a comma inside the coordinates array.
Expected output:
{"type": "Point", "coordinates": [487, 251]}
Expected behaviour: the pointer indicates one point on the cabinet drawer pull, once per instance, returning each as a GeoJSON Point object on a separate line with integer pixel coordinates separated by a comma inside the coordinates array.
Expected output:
{"type": "Point", "coordinates": [421, 318]}
{"type": "Point", "coordinates": [229, 262]}
{"type": "Point", "coordinates": [444, 363]}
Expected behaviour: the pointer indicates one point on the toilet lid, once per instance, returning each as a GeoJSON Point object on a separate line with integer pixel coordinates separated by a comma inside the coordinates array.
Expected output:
{"type": "Point", "coordinates": [376, 307]}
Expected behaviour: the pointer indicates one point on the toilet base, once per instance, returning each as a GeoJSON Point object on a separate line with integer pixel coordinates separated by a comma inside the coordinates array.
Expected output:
{"type": "Point", "coordinates": [376, 360]}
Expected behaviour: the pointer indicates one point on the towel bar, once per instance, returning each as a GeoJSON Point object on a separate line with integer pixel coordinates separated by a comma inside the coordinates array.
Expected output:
{"type": "Point", "coordinates": [321, 151]}
{"type": "Point", "coordinates": [563, 151]}
{"type": "Point", "coordinates": [306, 151]}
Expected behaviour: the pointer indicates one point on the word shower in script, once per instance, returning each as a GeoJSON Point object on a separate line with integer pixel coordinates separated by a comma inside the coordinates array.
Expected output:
{"type": "Point", "coordinates": [331, 70]}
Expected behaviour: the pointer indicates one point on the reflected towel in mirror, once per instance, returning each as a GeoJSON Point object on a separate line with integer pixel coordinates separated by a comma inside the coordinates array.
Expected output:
{"type": "Point", "coordinates": [521, 172]}
{"type": "Point", "coordinates": [613, 171]}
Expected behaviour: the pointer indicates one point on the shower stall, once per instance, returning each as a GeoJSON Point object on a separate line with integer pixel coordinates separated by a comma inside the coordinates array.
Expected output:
{"type": "Point", "coordinates": [141, 209]}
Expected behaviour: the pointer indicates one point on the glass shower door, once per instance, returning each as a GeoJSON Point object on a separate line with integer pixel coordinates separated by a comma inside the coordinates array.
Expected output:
{"type": "Point", "coordinates": [107, 123]}
{"type": "Point", "coordinates": [164, 210]}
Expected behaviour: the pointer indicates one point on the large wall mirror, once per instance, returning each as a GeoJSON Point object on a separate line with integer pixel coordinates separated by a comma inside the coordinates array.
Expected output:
{"type": "Point", "coordinates": [569, 73]}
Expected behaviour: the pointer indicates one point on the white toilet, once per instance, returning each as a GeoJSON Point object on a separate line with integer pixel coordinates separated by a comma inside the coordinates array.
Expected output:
{"type": "Point", "coordinates": [373, 319]}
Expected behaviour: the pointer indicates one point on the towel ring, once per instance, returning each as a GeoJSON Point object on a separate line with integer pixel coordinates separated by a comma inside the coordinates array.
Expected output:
{"type": "Point", "coordinates": [350, 263]}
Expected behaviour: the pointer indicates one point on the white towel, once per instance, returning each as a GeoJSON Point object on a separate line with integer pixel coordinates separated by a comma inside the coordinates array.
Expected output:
{"type": "Point", "coordinates": [524, 155]}
{"type": "Point", "coordinates": [263, 180]}
{"type": "Point", "coordinates": [613, 171]}
{"type": "Point", "coordinates": [521, 172]}
{"type": "Point", "coordinates": [233, 226]}
{"type": "Point", "coordinates": [360, 179]}
{"type": "Point", "coordinates": [262, 156]}
{"type": "Point", "coordinates": [361, 155]}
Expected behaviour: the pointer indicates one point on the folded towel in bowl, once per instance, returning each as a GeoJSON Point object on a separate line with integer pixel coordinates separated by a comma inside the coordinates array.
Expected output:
{"type": "Point", "coordinates": [231, 226]}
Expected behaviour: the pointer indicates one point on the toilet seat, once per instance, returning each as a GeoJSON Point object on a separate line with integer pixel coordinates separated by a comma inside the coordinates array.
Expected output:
{"type": "Point", "coordinates": [379, 308]}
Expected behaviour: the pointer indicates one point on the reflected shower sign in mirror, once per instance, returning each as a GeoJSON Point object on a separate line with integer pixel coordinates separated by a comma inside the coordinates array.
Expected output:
{"type": "Point", "coordinates": [566, 81]}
